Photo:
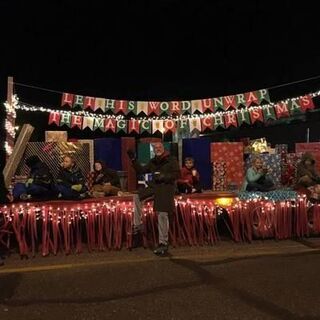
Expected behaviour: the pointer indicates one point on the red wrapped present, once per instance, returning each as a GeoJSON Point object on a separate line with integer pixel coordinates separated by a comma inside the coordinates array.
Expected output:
{"type": "Point", "coordinates": [289, 169]}
{"type": "Point", "coordinates": [232, 154]}
{"type": "Point", "coordinates": [245, 141]}
{"type": "Point", "coordinates": [219, 182]}
{"type": "Point", "coordinates": [281, 148]}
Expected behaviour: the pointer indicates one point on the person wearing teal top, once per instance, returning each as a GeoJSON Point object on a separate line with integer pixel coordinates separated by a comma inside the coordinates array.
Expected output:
{"type": "Point", "coordinates": [257, 178]}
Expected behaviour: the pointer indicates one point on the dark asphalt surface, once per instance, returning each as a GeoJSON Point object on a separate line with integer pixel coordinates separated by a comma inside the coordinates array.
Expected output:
{"type": "Point", "coordinates": [266, 281]}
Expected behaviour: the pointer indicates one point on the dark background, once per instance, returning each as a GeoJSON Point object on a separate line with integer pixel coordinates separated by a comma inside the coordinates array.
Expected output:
{"type": "Point", "coordinates": [154, 50]}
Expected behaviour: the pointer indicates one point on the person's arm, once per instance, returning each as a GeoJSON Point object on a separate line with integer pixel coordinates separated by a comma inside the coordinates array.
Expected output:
{"type": "Point", "coordinates": [61, 177]}
{"type": "Point", "coordinates": [182, 179]}
{"type": "Point", "coordinates": [114, 178]}
{"type": "Point", "coordinates": [253, 176]}
{"type": "Point", "coordinates": [196, 178]}
{"type": "Point", "coordinates": [172, 174]}
{"type": "Point", "coordinates": [303, 171]}
{"type": "Point", "coordinates": [140, 169]}
{"type": "Point", "coordinates": [79, 178]}
{"type": "Point", "coordinates": [78, 181]}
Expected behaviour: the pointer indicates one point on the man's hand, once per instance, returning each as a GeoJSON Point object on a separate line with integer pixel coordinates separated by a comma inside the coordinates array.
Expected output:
{"type": "Point", "coordinates": [158, 177]}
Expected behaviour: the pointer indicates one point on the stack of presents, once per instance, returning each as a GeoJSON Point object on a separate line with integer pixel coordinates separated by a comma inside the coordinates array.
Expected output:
{"type": "Point", "coordinates": [230, 161]}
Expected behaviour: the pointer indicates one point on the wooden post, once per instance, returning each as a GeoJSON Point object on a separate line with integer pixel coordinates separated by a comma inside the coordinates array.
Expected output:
{"type": "Point", "coordinates": [17, 153]}
{"type": "Point", "coordinates": [177, 138]}
{"type": "Point", "coordinates": [10, 90]}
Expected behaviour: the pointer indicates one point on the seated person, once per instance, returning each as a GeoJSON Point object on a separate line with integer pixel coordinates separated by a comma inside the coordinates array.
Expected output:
{"type": "Point", "coordinates": [257, 178]}
{"type": "Point", "coordinates": [307, 176]}
{"type": "Point", "coordinates": [38, 184]}
{"type": "Point", "coordinates": [105, 181]}
{"type": "Point", "coordinates": [70, 182]}
{"type": "Point", "coordinates": [190, 178]}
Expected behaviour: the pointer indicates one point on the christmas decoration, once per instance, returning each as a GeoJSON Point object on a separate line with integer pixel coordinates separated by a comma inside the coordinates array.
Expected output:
{"type": "Point", "coordinates": [166, 107]}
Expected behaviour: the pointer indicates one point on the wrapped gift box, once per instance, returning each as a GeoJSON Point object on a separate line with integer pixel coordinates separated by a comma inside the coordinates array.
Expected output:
{"type": "Point", "coordinates": [219, 176]}
{"type": "Point", "coordinates": [56, 136]}
{"type": "Point", "coordinates": [232, 154]}
{"type": "Point", "coordinates": [289, 168]}
{"type": "Point", "coordinates": [281, 148]}
{"type": "Point", "coordinates": [271, 150]}
{"type": "Point", "coordinates": [312, 147]}
{"type": "Point", "coordinates": [273, 162]}
{"type": "Point", "coordinates": [259, 145]}
{"type": "Point", "coordinates": [245, 141]}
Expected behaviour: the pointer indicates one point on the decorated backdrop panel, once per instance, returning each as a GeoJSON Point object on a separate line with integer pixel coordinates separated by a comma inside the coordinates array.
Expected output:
{"type": "Point", "coordinates": [108, 150]}
{"type": "Point", "coordinates": [232, 154]}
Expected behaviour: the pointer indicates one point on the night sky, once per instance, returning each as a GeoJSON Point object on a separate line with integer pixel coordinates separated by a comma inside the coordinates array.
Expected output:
{"type": "Point", "coordinates": [145, 50]}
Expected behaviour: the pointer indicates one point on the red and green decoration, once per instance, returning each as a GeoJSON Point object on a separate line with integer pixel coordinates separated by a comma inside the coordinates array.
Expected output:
{"type": "Point", "coordinates": [201, 106]}
{"type": "Point", "coordinates": [196, 123]}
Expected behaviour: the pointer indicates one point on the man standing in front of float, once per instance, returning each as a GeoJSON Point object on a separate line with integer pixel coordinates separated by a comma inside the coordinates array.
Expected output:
{"type": "Point", "coordinates": [165, 171]}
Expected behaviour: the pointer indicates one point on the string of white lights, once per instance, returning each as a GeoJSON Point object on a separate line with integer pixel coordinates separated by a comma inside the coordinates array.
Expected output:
{"type": "Point", "coordinates": [9, 123]}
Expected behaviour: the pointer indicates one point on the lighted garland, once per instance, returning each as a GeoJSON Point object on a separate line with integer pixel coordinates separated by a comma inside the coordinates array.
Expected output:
{"type": "Point", "coordinates": [199, 122]}
{"type": "Point", "coordinates": [9, 123]}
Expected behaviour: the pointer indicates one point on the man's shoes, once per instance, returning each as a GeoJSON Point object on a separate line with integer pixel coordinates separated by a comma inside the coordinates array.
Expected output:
{"type": "Point", "coordinates": [161, 250]}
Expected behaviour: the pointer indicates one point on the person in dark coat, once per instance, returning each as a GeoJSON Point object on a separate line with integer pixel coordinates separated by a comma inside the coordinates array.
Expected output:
{"type": "Point", "coordinates": [70, 181]}
{"type": "Point", "coordinates": [105, 181]}
{"type": "Point", "coordinates": [307, 176]}
{"type": "Point", "coordinates": [165, 171]}
{"type": "Point", "coordinates": [38, 184]}
{"type": "Point", "coordinates": [189, 181]}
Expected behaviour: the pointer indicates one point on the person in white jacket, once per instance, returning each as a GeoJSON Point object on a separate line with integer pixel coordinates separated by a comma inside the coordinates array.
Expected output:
{"type": "Point", "coordinates": [257, 178]}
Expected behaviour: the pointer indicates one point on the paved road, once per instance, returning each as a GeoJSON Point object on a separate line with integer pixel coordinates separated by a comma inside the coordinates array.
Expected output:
{"type": "Point", "coordinates": [263, 280]}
